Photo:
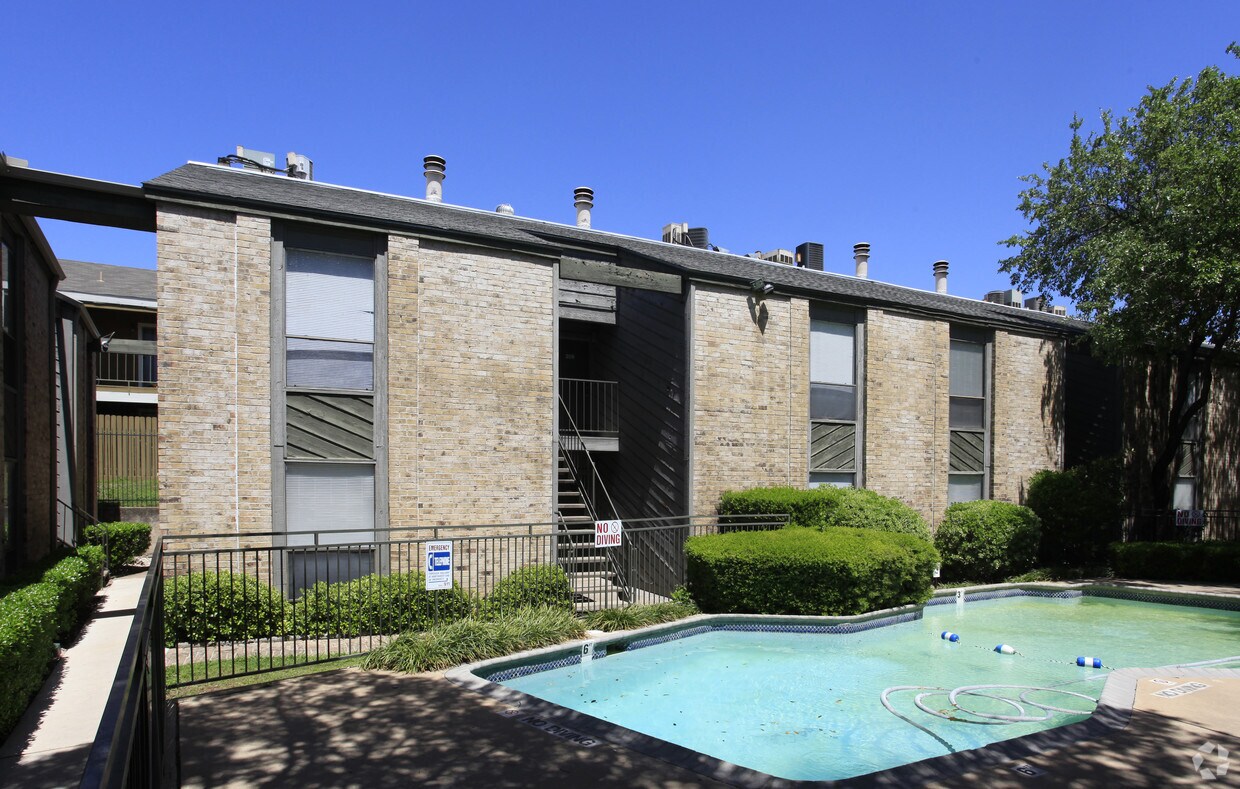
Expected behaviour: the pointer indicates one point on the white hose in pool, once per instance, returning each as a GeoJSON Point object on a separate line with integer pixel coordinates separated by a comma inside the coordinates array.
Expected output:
{"type": "Point", "coordinates": [1019, 704]}
{"type": "Point", "coordinates": [1022, 704]}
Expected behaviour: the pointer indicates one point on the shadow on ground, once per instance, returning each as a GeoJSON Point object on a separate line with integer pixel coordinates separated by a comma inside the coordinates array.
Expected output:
{"type": "Point", "coordinates": [355, 728]}
{"type": "Point", "coordinates": [1154, 751]}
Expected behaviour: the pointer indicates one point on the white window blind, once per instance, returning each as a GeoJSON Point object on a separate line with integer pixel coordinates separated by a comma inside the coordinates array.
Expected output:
{"type": "Point", "coordinates": [322, 496]}
{"type": "Point", "coordinates": [967, 363]}
{"type": "Point", "coordinates": [329, 296]}
{"type": "Point", "coordinates": [331, 365]}
{"type": "Point", "coordinates": [831, 352]}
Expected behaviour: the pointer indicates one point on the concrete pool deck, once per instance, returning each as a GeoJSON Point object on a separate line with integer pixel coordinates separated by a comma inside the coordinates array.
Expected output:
{"type": "Point", "coordinates": [356, 728]}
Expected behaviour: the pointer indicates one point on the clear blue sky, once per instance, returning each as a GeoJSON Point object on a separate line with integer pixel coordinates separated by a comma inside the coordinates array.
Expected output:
{"type": "Point", "coordinates": [903, 124]}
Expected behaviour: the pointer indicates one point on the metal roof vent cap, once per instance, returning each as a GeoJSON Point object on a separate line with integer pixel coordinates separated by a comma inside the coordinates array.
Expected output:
{"type": "Point", "coordinates": [505, 209]}
{"type": "Point", "coordinates": [940, 276]}
{"type": "Point", "coordinates": [583, 199]}
{"type": "Point", "coordinates": [861, 257]}
{"type": "Point", "coordinates": [433, 168]}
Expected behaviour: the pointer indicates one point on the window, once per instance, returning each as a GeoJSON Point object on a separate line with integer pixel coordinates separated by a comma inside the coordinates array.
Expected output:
{"type": "Point", "coordinates": [834, 426]}
{"type": "Point", "coordinates": [324, 341]}
{"type": "Point", "coordinates": [968, 454]}
{"type": "Point", "coordinates": [1184, 483]}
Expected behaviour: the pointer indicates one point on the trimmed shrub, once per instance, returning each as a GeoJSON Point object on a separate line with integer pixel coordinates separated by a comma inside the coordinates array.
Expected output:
{"type": "Point", "coordinates": [1177, 561]}
{"type": "Point", "coordinates": [806, 508]}
{"type": "Point", "coordinates": [223, 606]}
{"type": "Point", "coordinates": [374, 604]}
{"type": "Point", "coordinates": [857, 508]}
{"type": "Point", "coordinates": [29, 621]}
{"type": "Point", "coordinates": [987, 540]}
{"type": "Point", "coordinates": [534, 586]}
{"type": "Point", "coordinates": [32, 619]}
{"type": "Point", "coordinates": [1081, 509]}
{"type": "Point", "coordinates": [835, 571]}
{"type": "Point", "coordinates": [125, 540]}
{"type": "Point", "coordinates": [75, 586]}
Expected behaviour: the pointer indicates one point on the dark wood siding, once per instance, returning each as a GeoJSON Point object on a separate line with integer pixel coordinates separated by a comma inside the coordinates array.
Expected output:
{"type": "Point", "coordinates": [645, 353]}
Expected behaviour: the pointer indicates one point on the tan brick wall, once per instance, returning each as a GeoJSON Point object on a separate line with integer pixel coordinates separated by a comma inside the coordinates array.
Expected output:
{"type": "Point", "coordinates": [214, 371]}
{"type": "Point", "coordinates": [471, 385]}
{"type": "Point", "coordinates": [402, 410]}
{"type": "Point", "coordinates": [750, 393]}
{"type": "Point", "coordinates": [906, 404]}
{"type": "Point", "coordinates": [1028, 413]}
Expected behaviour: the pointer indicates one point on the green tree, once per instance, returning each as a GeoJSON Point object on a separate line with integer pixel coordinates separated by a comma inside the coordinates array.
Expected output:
{"type": "Point", "coordinates": [1140, 226]}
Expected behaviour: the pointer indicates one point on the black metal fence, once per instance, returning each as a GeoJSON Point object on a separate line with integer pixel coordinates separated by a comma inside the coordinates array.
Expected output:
{"type": "Point", "coordinates": [1185, 526]}
{"type": "Point", "coordinates": [129, 747]}
{"type": "Point", "coordinates": [261, 602]}
{"type": "Point", "coordinates": [127, 451]}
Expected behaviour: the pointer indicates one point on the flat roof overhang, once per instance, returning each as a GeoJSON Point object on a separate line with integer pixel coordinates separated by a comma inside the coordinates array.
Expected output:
{"type": "Point", "coordinates": [41, 193]}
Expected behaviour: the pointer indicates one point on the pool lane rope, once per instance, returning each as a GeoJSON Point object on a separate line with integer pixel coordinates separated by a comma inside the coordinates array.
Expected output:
{"type": "Point", "coordinates": [1007, 649]}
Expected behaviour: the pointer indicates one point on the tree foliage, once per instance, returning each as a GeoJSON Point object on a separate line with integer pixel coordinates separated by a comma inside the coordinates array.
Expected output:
{"type": "Point", "coordinates": [1140, 225]}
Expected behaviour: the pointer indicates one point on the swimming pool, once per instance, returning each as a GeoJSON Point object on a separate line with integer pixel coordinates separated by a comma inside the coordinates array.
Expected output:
{"type": "Point", "coordinates": [805, 701]}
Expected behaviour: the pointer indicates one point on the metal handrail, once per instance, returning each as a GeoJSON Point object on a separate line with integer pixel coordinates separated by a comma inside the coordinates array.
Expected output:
{"type": "Point", "coordinates": [129, 745]}
{"type": "Point", "coordinates": [595, 477]}
{"type": "Point", "coordinates": [595, 402]}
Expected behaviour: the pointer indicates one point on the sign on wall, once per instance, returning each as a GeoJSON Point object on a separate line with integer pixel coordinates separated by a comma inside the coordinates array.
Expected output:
{"type": "Point", "coordinates": [438, 565]}
{"type": "Point", "coordinates": [1191, 519]}
{"type": "Point", "coordinates": [607, 534]}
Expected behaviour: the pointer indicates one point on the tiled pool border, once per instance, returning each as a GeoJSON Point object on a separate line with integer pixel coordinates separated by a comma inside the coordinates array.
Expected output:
{"type": "Point", "coordinates": [1112, 713]}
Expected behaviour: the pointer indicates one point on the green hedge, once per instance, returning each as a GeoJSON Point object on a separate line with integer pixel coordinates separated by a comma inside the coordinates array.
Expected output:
{"type": "Point", "coordinates": [1177, 561]}
{"type": "Point", "coordinates": [864, 509]}
{"type": "Point", "coordinates": [987, 540]}
{"type": "Point", "coordinates": [1082, 511]}
{"type": "Point", "coordinates": [32, 619]}
{"type": "Point", "coordinates": [836, 571]}
{"type": "Point", "coordinates": [125, 540]}
{"type": "Point", "coordinates": [535, 586]}
{"type": "Point", "coordinates": [208, 606]}
{"type": "Point", "coordinates": [806, 508]}
{"type": "Point", "coordinates": [223, 606]}
{"type": "Point", "coordinates": [827, 507]}
{"type": "Point", "coordinates": [374, 604]}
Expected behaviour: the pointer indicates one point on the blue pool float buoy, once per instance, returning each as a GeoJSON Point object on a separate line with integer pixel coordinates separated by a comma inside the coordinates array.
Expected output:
{"type": "Point", "coordinates": [1005, 649]}
{"type": "Point", "coordinates": [1089, 662]}
{"type": "Point", "coordinates": [948, 635]}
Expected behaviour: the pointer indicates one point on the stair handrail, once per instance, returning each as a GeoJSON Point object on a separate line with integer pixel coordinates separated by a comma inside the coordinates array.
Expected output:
{"type": "Point", "coordinates": [595, 479]}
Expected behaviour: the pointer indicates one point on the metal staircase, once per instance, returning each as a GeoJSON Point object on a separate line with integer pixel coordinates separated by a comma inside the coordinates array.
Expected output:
{"type": "Point", "coordinates": [596, 576]}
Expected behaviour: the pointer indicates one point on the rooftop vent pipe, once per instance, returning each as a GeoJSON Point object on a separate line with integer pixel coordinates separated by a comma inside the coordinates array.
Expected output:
{"type": "Point", "coordinates": [861, 257]}
{"type": "Point", "coordinates": [583, 199]}
{"type": "Point", "coordinates": [433, 168]}
{"type": "Point", "coordinates": [940, 276]}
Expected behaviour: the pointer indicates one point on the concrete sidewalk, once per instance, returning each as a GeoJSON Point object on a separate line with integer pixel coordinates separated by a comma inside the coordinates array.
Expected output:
{"type": "Point", "coordinates": [50, 744]}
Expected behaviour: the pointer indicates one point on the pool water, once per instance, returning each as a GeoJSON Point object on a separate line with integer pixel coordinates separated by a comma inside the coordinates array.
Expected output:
{"type": "Point", "coordinates": [807, 705]}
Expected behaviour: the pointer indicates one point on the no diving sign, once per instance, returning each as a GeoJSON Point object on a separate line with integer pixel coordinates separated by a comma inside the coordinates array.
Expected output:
{"type": "Point", "coordinates": [607, 534]}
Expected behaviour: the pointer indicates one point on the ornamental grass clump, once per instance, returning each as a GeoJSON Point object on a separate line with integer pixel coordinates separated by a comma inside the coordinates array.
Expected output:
{"type": "Point", "coordinates": [471, 640]}
{"type": "Point", "coordinates": [635, 616]}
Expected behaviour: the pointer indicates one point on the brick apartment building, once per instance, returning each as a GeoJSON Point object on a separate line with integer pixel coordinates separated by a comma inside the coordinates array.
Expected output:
{"type": "Point", "coordinates": [336, 358]}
